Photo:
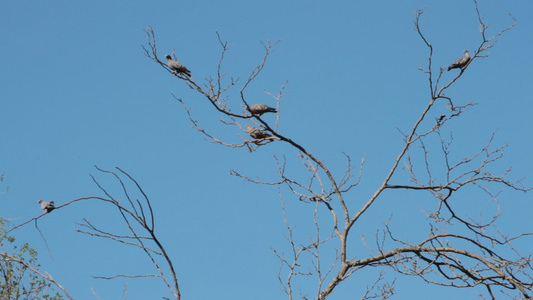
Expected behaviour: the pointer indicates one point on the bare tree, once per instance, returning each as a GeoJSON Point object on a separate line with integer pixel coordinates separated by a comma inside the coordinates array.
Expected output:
{"type": "Point", "coordinates": [138, 216]}
{"type": "Point", "coordinates": [456, 252]}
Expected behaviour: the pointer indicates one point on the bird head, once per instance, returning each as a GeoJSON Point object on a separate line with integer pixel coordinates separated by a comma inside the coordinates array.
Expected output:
{"type": "Point", "coordinates": [465, 51]}
{"type": "Point", "coordinates": [40, 201]}
{"type": "Point", "coordinates": [168, 56]}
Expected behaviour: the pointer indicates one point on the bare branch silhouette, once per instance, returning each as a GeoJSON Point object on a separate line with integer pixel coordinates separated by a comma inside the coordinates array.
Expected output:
{"type": "Point", "coordinates": [458, 251]}
{"type": "Point", "coordinates": [138, 216]}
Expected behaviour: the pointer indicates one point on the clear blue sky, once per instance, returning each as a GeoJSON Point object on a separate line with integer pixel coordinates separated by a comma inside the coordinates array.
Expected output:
{"type": "Point", "coordinates": [77, 91]}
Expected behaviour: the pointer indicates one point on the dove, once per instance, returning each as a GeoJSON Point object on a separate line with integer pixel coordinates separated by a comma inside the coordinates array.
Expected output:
{"type": "Point", "coordinates": [461, 62]}
{"type": "Point", "coordinates": [259, 109]}
{"type": "Point", "coordinates": [177, 67]}
{"type": "Point", "coordinates": [257, 133]}
{"type": "Point", "coordinates": [47, 206]}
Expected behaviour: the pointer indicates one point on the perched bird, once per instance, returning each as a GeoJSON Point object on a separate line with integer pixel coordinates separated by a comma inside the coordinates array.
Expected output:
{"type": "Point", "coordinates": [176, 66]}
{"type": "Point", "coordinates": [461, 62]}
{"type": "Point", "coordinates": [259, 109]}
{"type": "Point", "coordinates": [257, 133]}
{"type": "Point", "coordinates": [47, 206]}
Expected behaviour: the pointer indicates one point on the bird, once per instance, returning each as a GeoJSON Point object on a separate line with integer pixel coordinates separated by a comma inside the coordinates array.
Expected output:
{"type": "Point", "coordinates": [257, 133]}
{"type": "Point", "coordinates": [47, 206]}
{"type": "Point", "coordinates": [461, 62]}
{"type": "Point", "coordinates": [176, 66]}
{"type": "Point", "coordinates": [259, 109]}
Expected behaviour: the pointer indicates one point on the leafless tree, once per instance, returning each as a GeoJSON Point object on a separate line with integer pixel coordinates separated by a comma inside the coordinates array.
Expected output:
{"type": "Point", "coordinates": [138, 217]}
{"type": "Point", "coordinates": [457, 251]}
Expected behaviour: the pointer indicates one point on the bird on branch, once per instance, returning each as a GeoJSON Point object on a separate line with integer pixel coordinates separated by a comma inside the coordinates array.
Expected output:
{"type": "Point", "coordinates": [257, 133]}
{"type": "Point", "coordinates": [259, 109]}
{"type": "Point", "coordinates": [47, 206]}
{"type": "Point", "coordinates": [461, 62]}
{"type": "Point", "coordinates": [177, 67]}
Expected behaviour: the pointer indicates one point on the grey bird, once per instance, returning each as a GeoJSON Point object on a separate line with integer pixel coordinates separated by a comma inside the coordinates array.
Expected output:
{"type": "Point", "coordinates": [461, 62]}
{"type": "Point", "coordinates": [257, 133]}
{"type": "Point", "coordinates": [259, 109]}
{"type": "Point", "coordinates": [176, 66]}
{"type": "Point", "coordinates": [47, 206]}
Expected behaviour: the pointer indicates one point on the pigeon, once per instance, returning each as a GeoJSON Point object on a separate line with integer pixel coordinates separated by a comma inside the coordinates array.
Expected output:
{"type": "Point", "coordinates": [259, 109]}
{"type": "Point", "coordinates": [257, 133]}
{"type": "Point", "coordinates": [176, 66]}
{"type": "Point", "coordinates": [461, 62]}
{"type": "Point", "coordinates": [47, 206]}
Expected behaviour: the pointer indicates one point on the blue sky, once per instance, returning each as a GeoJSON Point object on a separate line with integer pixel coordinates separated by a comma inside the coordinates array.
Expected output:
{"type": "Point", "coordinates": [77, 91]}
